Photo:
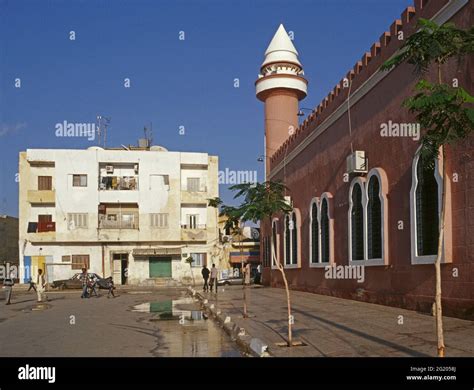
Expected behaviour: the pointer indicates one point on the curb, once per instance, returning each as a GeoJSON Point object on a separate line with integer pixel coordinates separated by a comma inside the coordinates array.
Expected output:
{"type": "Point", "coordinates": [250, 345]}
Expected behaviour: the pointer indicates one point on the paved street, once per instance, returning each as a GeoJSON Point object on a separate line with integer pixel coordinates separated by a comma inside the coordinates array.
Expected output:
{"type": "Point", "coordinates": [338, 327]}
{"type": "Point", "coordinates": [125, 326]}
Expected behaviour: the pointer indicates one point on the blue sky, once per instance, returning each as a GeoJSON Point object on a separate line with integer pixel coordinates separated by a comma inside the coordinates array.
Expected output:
{"type": "Point", "coordinates": [174, 83]}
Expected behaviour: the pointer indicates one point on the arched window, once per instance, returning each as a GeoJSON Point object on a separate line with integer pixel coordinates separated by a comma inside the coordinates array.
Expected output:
{"type": "Point", "coordinates": [427, 209]}
{"type": "Point", "coordinates": [287, 240]}
{"type": "Point", "coordinates": [324, 231]}
{"type": "Point", "coordinates": [374, 219]}
{"type": "Point", "coordinates": [357, 224]}
{"type": "Point", "coordinates": [314, 233]}
{"type": "Point", "coordinates": [294, 239]}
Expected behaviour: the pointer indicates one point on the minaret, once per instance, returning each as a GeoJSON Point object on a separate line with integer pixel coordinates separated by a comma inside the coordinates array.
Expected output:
{"type": "Point", "coordinates": [280, 86]}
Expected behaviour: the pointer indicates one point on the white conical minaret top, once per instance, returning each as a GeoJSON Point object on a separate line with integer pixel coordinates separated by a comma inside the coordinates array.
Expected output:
{"type": "Point", "coordinates": [281, 49]}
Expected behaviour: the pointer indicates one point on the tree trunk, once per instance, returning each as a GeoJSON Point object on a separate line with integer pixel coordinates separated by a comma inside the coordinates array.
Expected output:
{"type": "Point", "coordinates": [243, 275]}
{"type": "Point", "coordinates": [192, 275]}
{"type": "Point", "coordinates": [288, 302]}
{"type": "Point", "coordinates": [438, 308]}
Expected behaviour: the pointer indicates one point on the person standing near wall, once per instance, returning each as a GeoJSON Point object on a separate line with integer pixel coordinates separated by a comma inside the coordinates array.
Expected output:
{"type": "Point", "coordinates": [85, 283]}
{"type": "Point", "coordinates": [41, 286]}
{"type": "Point", "coordinates": [8, 286]}
{"type": "Point", "coordinates": [214, 274]}
{"type": "Point", "coordinates": [205, 275]}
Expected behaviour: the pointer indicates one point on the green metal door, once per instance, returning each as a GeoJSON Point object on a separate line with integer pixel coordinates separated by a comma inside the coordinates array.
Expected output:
{"type": "Point", "coordinates": [160, 267]}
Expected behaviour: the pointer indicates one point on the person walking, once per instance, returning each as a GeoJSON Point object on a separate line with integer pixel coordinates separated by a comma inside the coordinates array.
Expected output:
{"type": "Point", "coordinates": [214, 274]}
{"type": "Point", "coordinates": [8, 285]}
{"type": "Point", "coordinates": [111, 288]}
{"type": "Point", "coordinates": [85, 283]}
{"type": "Point", "coordinates": [41, 286]}
{"type": "Point", "coordinates": [205, 275]}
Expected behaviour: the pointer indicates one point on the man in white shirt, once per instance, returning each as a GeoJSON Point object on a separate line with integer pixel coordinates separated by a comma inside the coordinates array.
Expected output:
{"type": "Point", "coordinates": [41, 286]}
{"type": "Point", "coordinates": [214, 274]}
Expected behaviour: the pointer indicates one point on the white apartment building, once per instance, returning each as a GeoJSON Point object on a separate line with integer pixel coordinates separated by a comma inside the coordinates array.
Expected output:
{"type": "Point", "coordinates": [134, 213]}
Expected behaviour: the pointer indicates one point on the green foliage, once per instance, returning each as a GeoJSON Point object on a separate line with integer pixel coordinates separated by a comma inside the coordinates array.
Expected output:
{"type": "Point", "coordinates": [445, 113]}
{"type": "Point", "coordinates": [433, 43]}
{"type": "Point", "coordinates": [260, 200]}
{"type": "Point", "coordinates": [189, 260]}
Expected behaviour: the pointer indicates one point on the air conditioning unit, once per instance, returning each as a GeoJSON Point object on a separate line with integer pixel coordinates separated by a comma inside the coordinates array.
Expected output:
{"type": "Point", "coordinates": [109, 168]}
{"type": "Point", "coordinates": [356, 162]}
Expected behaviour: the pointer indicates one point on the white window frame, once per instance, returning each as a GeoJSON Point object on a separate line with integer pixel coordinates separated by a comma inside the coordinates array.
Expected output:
{"type": "Point", "coordinates": [201, 256]}
{"type": "Point", "coordinates": [361, 182]}
{"type": "Point", "coordinates": [327, 196]}
{"type": "Point", "coordinates": [71, 221]}
{"type": "Point", "coordinates": [157, 218]}
{"type": "Point", "coordinates": [298, 241]}
{"type": "Point", "coordinates": [447, 238]}
{"type": "Point", "coordinates": [383, 189]}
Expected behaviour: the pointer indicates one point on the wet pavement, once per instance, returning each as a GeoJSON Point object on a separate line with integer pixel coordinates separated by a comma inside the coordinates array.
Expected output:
{"type": "Point", "coordinates": [160, 323]}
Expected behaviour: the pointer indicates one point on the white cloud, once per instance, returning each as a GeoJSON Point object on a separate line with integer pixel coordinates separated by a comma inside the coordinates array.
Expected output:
{"type": "Point", "coordinates": [6, 129]}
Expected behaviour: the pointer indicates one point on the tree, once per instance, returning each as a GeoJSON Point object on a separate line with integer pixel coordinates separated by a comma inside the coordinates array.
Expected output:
{"type": "Point", "coordinates": [261, 201]}
{"type": "Point", "coordinates": [190, 261]}
{"type": "Point", "coordinates": [442, 110]}
{"type": "Point", "coordinates": [233, 224]}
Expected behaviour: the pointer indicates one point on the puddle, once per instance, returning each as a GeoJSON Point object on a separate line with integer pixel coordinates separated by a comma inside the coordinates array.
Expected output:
{"type": "Point", "coordinates": [185, 330]}
{"type": "Point", "coordinates": [183, 310]}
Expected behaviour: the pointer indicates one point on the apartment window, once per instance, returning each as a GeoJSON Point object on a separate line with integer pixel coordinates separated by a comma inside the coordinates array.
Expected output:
{"type": "Point", "coordinates": [77, 220]}
{"type": "Point", "coordinates": [374, 219]}
{"type": "Point", "coordinates": [325, 234]}
{"type": "Point", "coordinates": [159, 220]}
{"type": "Point", "coordinates": [427, 209]}
{"type": "Point", "coordinates": [192, 221]}
{"type": "Point", "coordinates": [66, 259]}
{"type": "Point", "coordinates": [80, 261]}
{"type": "Point", "coordinates": [291, 239]}
{"type": "Point", "coordinates": [199, 259]}
{"type": "Point", "coordinates": [314, 234]}
{"type": "Point", "coordinates": [357, 223]}
{"type": "Point", "coordinates": [79, 180]}
{"type": "Point", "coordinates": [193, 184]}
{"type": "Point", "coordinates": [45, 183]}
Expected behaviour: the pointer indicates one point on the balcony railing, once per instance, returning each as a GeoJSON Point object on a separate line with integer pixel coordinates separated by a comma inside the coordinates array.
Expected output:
{"type": "Point", "coordinates": [118, 183]}
{"type": "Point", "coordinates": [41, 227]}
{"type": "Point", "coordinates": [193, 226]}
{"type": "Point", "coordinates": [123, 223]}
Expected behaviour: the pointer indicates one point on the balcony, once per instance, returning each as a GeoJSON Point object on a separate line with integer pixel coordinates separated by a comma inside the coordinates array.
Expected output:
{"type": "Point", "coordinates": [41, 196]}
{"type": "Point", "coordinates": [192, 196]}
{"type": "Point", "coordinates": [41, 231]}
{"type": "Point", "coordinates": [119, 220]}
{"type": "Point", "coordinates": [193, 232]}
{"type": "Point", "coordinates": [118, 183]}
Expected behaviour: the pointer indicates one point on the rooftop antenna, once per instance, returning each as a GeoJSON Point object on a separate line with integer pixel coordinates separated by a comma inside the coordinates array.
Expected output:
{"type": "Point", "coordinates": [102, 124]}
{"type": "Point", "coordinates": [148, 132]}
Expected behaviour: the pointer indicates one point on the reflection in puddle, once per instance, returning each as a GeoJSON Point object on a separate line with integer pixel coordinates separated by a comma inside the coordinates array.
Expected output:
{"type": "Point", "coordinates": [182, 310]}
{"type": "Point", "coordinates": [184, 330]}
